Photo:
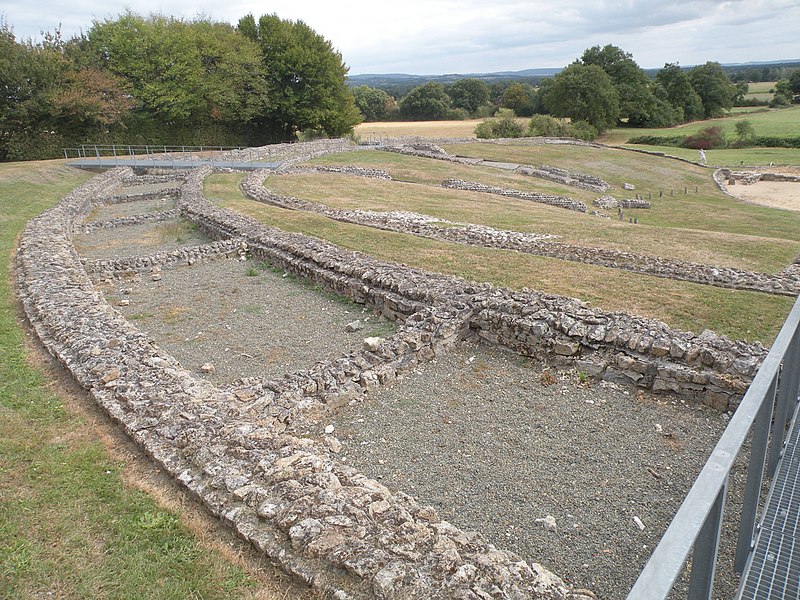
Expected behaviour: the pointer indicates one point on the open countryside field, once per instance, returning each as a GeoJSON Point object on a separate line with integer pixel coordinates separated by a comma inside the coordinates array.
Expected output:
{"type": "Point", "coordinates": [783, 122]}
{"type": "Point", "coordinates": [760, 90]}
{"type": "Point", "coordinates": [706, 227]}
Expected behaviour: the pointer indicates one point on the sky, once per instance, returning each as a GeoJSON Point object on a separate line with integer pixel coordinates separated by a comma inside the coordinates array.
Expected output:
{"type": "Point", "coordinates": [435, 37]}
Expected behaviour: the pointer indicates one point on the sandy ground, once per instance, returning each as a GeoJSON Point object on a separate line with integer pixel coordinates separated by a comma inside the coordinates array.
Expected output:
{"type": "Point", "coordinates": [777, 194]}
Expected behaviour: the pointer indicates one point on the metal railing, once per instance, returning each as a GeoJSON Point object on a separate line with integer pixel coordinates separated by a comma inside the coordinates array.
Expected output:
{"type": "Point", "coordinates": [766, 410]}
{"type": "Point", "coordinates": [169, 156]}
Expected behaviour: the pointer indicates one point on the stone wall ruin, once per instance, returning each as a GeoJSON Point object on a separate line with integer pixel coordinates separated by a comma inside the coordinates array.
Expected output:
{"type": "Point", "coordinates": [234, 449]}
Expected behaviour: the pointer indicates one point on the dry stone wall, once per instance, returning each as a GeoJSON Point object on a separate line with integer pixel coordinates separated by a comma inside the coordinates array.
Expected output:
{"type": "Point", "coordinates": [549, 199]}
{"type": "Point", "coordinates": [579, 180]}
{"type": "Point", "coordinates": [785, 283]}
{"type": "Point", "coordinates": [151, 217]}
{"type": "Point", "coordinates": [232, 448]}
{"type": "Point", "coordinates": [354, 276]}
{"type": "Point", "coordinates": [344, 534]}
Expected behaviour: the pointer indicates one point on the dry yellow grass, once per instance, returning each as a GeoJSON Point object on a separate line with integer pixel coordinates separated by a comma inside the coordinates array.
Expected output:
{"type": "Point", "coordinates": [418, 128]}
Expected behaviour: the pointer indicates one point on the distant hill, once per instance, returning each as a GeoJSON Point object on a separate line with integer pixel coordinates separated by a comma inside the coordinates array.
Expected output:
{"type": "Point", "coordinates": [398, 84]}
{"type": "Point", "coordinates": [402, 82]}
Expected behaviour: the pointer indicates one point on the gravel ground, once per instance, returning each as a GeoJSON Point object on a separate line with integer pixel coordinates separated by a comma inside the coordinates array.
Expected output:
{"type": "Point", "coordinates": [128, 209]}
{"type": "Point", "coordinates": [146, 188]}
{"type": "Point", "coordinates": [245, 320]}
{"type": "Point", "coordinates": [138, 240]}
{"type": "Point", "coordinates": [486, 439]}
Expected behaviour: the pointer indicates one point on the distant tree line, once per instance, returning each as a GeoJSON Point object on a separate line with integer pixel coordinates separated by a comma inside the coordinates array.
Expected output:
{"type": "Point", "coordinates": [161, 80]}
{"type": "Point", "coordinates": [602, 89]}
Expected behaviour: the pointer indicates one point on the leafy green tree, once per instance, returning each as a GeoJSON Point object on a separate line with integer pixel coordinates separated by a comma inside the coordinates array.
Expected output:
{"type": "Point", "coordinates": [664, 114]}
{"type": "Point", "coordinates": [794, 82]}
{"type": "Point", "coordinates": [679, 92]}
{"type": "Point", "coordinates": [783, 87]}
{"type": "Point", "coordinates": [469, 94]}
{"type": "Point", "coordinates": [584, 93]}
{"type": "Point", "coordinates": [547, 126]}
{"type": "Point", "coordinates": [48, 102]}
{"type": "Point", "coordinates": [715, 89]}
{"type": "Point", "coordinates": [520, 98]}
{"type": "Point", "coordinates": [306, 88]}
{"type": "Point", "coordinates": [636, 99]}
{"type": "Point", "coordinates": [745, 130]}
{"type": "Point", "coordinates": [427, 102]}
{"type": "Point", "coordinates": [374, 104]}
{"type": "Point", "coordinates": [181, 73]}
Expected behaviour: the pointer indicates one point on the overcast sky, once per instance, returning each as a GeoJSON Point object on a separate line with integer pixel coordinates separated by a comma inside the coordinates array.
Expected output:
{"type": "Point", "coordinates": [470, 36]}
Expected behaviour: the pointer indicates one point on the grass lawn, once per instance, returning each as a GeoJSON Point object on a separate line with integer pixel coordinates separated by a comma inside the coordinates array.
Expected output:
{"type": "Point", "coordinates": [784, 122]}
{"type": "Point", "coordinates": [745, 315]}
{"type": "Point", "coordinates": [707, 226]}
{"type": "Point", "coordinates": [71, 523]}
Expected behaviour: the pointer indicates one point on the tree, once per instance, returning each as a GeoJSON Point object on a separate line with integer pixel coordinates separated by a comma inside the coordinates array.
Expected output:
{"type": "Point", "coordinates": [794, 82]}
{"type": "Point", "coordinates": [519, 97]}
{"type": "Point", "coordinates": [783, 87]}
{"type": "Point", "coordinates": [714, 88]}
{"type": "Point", "coordinates": [181, 73]}
{"type": "Point", "coordinates": [374, 104]}
{"type": "Point", "coordinates": [427, 102]}
{"type": "Point", "coordinates": [745, 130]}
{"type": "Point", "coordinates": [584, 93]}
{"type": "Point", "coordinates": [636, 99]}
{"type": "Point", "coordinates": [469, 94]}
{"type": "Point", "coordinates": [306, 88]}
{"type": "Point", "coordinates": [679, 92]}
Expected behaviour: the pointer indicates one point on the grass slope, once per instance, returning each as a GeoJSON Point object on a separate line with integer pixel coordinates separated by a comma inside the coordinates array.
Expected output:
{"type": "Point", "coordinates": [68, 524]}
{"type": "Point", "coordinates": [744, 315]}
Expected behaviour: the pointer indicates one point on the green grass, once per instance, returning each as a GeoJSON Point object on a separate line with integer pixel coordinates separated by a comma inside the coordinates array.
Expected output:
{"type": "Point", "coordinates": [731, 157]}
{"type": "Point", "coordinates": [706, 227]}
{"type": "Point", "coordinates": [743, 315]}
{"type": "Point", "coordinates": [68, 524]}
{"type": "Point", "coordinates": [784, 122]}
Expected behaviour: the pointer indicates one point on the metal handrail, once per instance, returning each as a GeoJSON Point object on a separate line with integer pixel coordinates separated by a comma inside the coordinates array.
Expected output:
{"type": "Point", "coordinates": [698, 521]}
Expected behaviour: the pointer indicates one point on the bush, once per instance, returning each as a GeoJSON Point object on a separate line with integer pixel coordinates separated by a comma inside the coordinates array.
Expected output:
{"type": "Point", "coordinates": [547, 126]}
{"type": "Point", "coordinates": [711, 137]}
{"type": "Point", "coordinates": [459, 114]}
{"type": "Point", "coordinates": [504, 126]}
{"type": "Point", "coordinates": [779, 101]}
{"type": "Point", "coordinates": [583, 130]}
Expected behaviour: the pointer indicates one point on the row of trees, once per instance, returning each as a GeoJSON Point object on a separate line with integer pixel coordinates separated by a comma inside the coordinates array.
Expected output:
{"type": "Point", "coordinates": [466, 98]}
{"type": "Point", "coordinates": [161, 80]}
{"type": "Point", "coordinates": [604, 88]}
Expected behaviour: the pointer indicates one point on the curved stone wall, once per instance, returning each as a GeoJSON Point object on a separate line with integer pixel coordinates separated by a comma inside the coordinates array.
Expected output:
{"type": "Point", "coordinates": [232, 448]}
{"type": "Point", "coordinates": [346, 535]}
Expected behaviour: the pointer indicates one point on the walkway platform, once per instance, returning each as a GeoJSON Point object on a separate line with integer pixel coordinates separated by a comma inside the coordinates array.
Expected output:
{"type": "Point", "coordinates": [773, 572]}
{"type": "Point", "coordinates": [151, 163]}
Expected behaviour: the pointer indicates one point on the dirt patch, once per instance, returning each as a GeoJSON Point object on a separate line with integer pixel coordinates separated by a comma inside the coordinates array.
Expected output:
{"type": "Point", "coordinates": [776, 194]}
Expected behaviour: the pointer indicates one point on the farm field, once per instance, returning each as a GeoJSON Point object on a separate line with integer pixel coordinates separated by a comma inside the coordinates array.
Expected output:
{"type": "Point", "coordinates": [760, 90]}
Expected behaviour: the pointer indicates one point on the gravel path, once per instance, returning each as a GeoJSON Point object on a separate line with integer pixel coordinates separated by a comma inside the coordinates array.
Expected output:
{"type": "Point", "coordinates": [479, 436]}
{"type": "Point", "coordinates": [245, 320]}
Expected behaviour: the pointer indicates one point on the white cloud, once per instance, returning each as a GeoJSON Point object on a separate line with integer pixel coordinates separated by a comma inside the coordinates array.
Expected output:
{"type": "Point", "coordinates": [445, 36]}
